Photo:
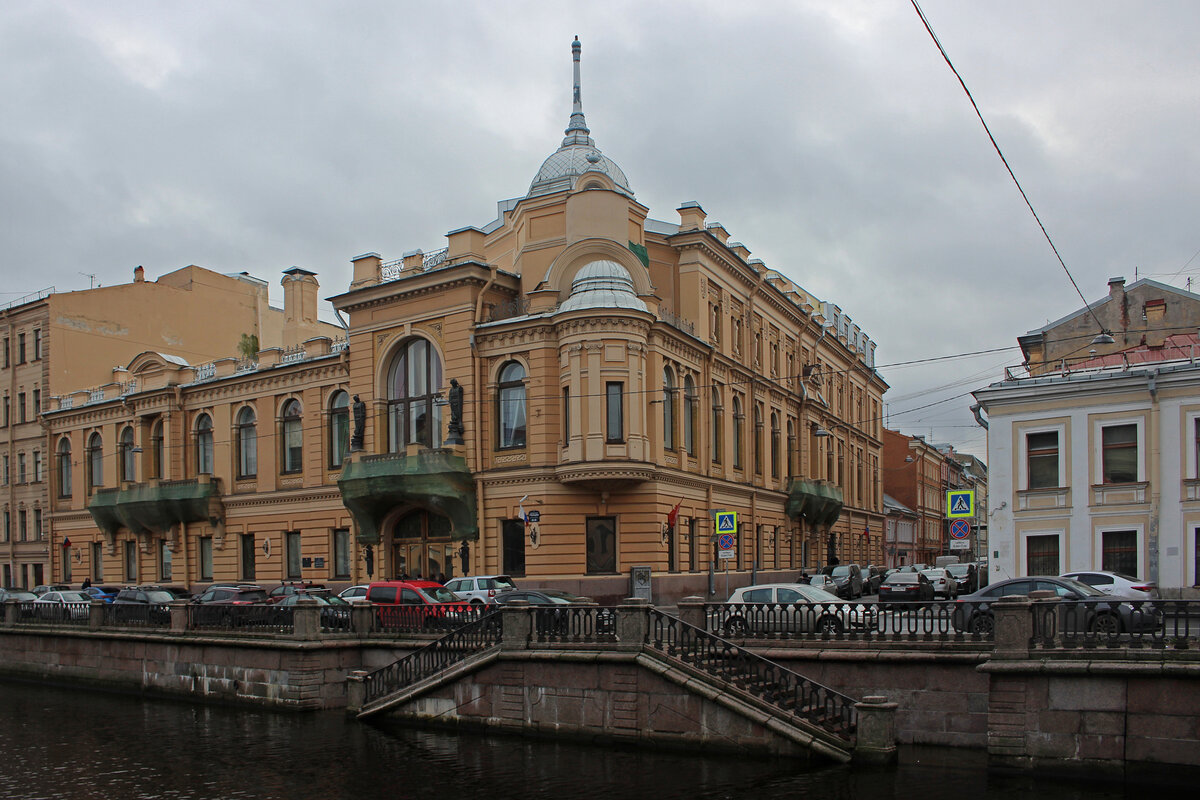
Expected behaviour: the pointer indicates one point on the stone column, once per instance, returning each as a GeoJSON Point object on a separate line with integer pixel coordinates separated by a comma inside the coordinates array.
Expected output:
{"type": "Point", "coordinates": [356, 691]}
{"type": "Point", "coordinates": [362, 618]}
{"type": "Point", "coordinates": [875, 742]}
{"type": "Point", "coordinates": [12, 610]}
{"type": "Point", "coordinates": [518, 625]}
{"type": "Point", "coordinates": [306, 619]}
{"type": "Point", "coordinates": [633, 623]}
{"type": "Point", "coordinates": [179, 615]}
{"type": "Point", "coordinates": [1013, 626]}
{"type": "Point", "coordinates": [95, 615]}
{"type": "Point", "coordinates": [692, 611]}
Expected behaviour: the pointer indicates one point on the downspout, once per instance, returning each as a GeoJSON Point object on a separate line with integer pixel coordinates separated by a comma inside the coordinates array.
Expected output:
{"type": "Point", "coordinates": [977, 410]}
{"type": "Point", "coordinates": [1154, 476]}
{"type": "Point", "coordinates": [476, 362]}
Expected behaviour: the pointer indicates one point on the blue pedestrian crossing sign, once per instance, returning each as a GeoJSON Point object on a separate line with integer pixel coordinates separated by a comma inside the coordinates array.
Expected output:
{"type": "Point", "coordinates": [960, 504]}
{"type": "Point", "coordinates": [726, 522]}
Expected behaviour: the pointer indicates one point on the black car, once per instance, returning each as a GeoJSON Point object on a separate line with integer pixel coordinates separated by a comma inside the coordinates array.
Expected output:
{"type": "Point", "coordinates": [141, 605]}
{"type": "Point", "coordinates": [570, 613]}
{"type": "Point", "coordinates": [1096, 613]}
{"type": "Point", "coordinates": [215, 605]}
{"type": "Point", "coordinates": [966, 575]}
{"type": "Point", "coordinates": [906, 586]}
{"type": "Point", "coordinates": [847, 580]}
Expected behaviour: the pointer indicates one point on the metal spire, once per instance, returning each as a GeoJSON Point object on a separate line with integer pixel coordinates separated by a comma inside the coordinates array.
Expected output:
{"type": "Point", "coordinates": [577, 130]}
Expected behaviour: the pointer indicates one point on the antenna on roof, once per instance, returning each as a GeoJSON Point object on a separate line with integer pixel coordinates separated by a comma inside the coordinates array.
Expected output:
{"type": "Point", "coordinates": [92, 276]}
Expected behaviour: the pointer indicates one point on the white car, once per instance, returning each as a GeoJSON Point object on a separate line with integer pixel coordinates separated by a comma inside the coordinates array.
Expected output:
{"type": "Point", "coordinates": [62, 605]}
{"type": "Point", "coordinates": [1116, 584]}
{"type": "Point", "coordinates": [354, 595]}
{"type": "Point", "coordinates": [789, 608]}
{"type": "Point", "coordinates": [481, 589]}
{"type": "Point", "coordinates": [944, 584]}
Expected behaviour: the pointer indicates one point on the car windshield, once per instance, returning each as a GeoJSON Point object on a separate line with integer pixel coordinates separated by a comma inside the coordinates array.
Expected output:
{"type": "Point", "coordinates": [159, 596]}
{"type": "Point", "coordinates": [500, 582]}
{"type": "Point", "coordinates": [902, 577]}
{"type": "Point", "coordinates": [934, 574]}
{"type": "Point", "coordinates": [76, 597]}
{"type": "Point", "coordinates": [570, 598]}
{"type": "Point", "coordinates": [24, 597]}
{"type": "Point", "coordinates": [438, 594]}
{"type": "Point", "coordinates": [959, 570]}
{"type": "Point", "coordinates": [1082, 588]}
{"type": "Point", "coordinates": [841, 572]}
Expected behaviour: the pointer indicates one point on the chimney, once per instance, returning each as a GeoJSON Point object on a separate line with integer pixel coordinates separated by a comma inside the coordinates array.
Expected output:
{"type": "Point", "coordinates": [139, 274]}
{"type": "Point", "coordinates": [1156, 312]}
{"type": "Point", "coordinates": [691, 216]}
{"type": "Point", "coordinates": [1116, 287]}
{"type": "Point", "coordinates": [299, 305]}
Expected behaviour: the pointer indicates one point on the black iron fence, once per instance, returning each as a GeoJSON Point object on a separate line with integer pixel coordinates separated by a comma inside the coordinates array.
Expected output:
{"type": "Point", "coordinates": [1116, 623]}
{"type": "Point", "coordinates": [845, 621]}
{"type": "Point", "coordinates": [776, 685]}
{"type": "Point", "coordinates": [575, 624]}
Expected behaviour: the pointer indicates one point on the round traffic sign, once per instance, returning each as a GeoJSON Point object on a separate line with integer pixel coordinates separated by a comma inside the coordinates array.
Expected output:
{"type": "Point", "coordinates": [960, 529]}
{"type": "Point", "coordinates": [725, 541]}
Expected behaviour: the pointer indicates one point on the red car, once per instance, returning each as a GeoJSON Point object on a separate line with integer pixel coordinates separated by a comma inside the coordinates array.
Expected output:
{"type": "Point", "coordinates": [417, 605]}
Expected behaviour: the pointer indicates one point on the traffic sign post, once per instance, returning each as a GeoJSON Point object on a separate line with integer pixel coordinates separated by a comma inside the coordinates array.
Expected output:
{"type": "Point", "coordinates": [959, 529]}
{"type": "Point", "coordinates": [960, 504]}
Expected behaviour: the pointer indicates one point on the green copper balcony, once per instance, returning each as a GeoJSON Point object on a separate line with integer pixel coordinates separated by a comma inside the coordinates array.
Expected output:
{"type": "Point", "coordinates": [155, 507]}
{"type": "Point", "coordinates": [819, 503]}
{"type": "Point", "coordinates": [436, 480]}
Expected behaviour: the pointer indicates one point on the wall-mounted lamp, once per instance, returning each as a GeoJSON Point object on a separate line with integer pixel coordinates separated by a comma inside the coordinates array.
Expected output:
{"type": "Point", "coordinates": [1103, 337]}
{"type": "Point", "coordinates": [908, 459]}
{"type": "Point", "coordinates": [821, 432]}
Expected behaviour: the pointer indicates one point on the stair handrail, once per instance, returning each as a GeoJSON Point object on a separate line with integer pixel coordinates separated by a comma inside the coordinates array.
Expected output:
{"type": "Point", "coordinates": [435, 657]}
{"type": "Point", "coordinates": [775, 684]}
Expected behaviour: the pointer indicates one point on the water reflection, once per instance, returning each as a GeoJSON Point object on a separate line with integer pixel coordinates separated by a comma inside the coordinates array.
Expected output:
{"type": "Point", "coordinates": [69, 743]}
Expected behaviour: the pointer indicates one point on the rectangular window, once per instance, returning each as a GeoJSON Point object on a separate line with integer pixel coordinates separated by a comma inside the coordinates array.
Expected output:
{"type": "Point", "coordinates": [6, 469]}
{"type": "Point", "coordinates": [1041, 458]}
{"type": "Point", "coordinates": [1119, 552]}
{"type": "Point", "coordinates": [20, 406]}
{"type": "Point", "coordinates": [97, 562]}
{"type": "Point", "coordinates": [37, 466]}
{"type": "Point", "coordinates": [1042, 555]}
{"type": "Point", "coordinates": [36, 408]}
{"type": "Point", "coordinates": [206, 561]}
{"type": "Point", "coordinates": [20, 468]}
{"type": "Point", "coordinates": [20, 348]}
{"type": "Point", "coordinates": [566, 415]}
{"type": "Point", "coordinates": [164, 560]}
{"type": "Point", "coordinates": [248, 554]}
{"type": "Point", "coordinates": [615, 412]}
{"type": "Point", "coordinates": [37, 525]}
{"type": "Point", "coordinates": [1120, 454]}
{"type": "Point", "coordinates": [6, 352]}
{"type": "Point", "coordinates": [6, 412]}
{"type": "Point", "coordinates": [293, 555]}
{"type": "Point", "coordinates": [37, 344]}
{"type": "Point", "coordinates": [7, 527]}
{"type": "Point", "coordinates": [601, 545]}
{"type": "Point", "coordinates": [341, 553]}
{"type": "Point", "coordinates": [67, 572]}
{"type": "Point", "coordinates": [131, 562]}
{"type": "Point", "coordinates": [22, 519]}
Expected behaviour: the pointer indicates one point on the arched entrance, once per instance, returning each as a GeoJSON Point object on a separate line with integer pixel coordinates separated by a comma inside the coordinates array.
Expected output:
{"type": "Point", "coordinates": [421, 546]}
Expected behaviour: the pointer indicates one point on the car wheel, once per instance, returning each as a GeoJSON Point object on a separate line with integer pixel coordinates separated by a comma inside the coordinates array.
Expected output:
{"type": "Point", "coordinates": [1106, 625]}
{"type": "Point", "coordinates": [476, 602]}
{"type": "Point", "coordinates": [735, 627]}
{"type": "Point", "coordinates": [829, 624]}
{"type": "Point", "coordinates": [982, 623]}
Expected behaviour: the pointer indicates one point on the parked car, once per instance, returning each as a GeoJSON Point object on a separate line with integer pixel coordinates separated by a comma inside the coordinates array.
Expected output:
{"type": "Point", "coordinates": [1116, 584]}
{"type": "Point", "coordinates": [289, 588]}
{"type": "Point", "coordinates": [563, 620]}
{"type": "Point", "coordinates": [214, 602]}
{"type": "Point", "coordinates": [823, 582]}
{"type": "Point", "coordinates": [333, 609]}
{"type": "Point", "coordinates": [58, 605]}
{"type": "Point", "coordinates": [481, 588]}
{"type": "Point", "coordinates": [20, 595]}
{"type": "Point", "coordinates": [144, 604]}
{"type": "Point", "coordinates": [848, 579]}
{"type": "Point", "coordinates": [354, 595]}
{"type": "Point", "coordinates": [417, 604]}
{"type": "Point", "coordinates": [105, 593]}
{"type": "Point", "coordinates": [873, 578]}
{"type": "Point", "coordinates": [1106, 615]}
{"type": "Point", "coordinates": [905, 586]}
{"type": "Point", "coordinates": [789, 608]}
{"type": "Point", "coordinates": [967, 576]}
{"type": "Point", "coordinates": [53, 587]}
{"type": "Point", "coordinates": [944, 584]}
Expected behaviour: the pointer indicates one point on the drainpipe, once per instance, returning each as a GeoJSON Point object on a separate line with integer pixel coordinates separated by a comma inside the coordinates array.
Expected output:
{"type": "Point", "coordinates": [977, 410]}
{"type": "Point", "coordinates": [1154, 474]}
{"type": "Point", "coordinates": [477, 365]}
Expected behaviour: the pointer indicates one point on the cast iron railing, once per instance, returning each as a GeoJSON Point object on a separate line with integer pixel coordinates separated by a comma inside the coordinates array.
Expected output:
{"type": "Point", "coordinates": [776, 685]}
{"type": "Point", "coordinates": [845, 621]}
{"type": "Point", "coordinates": [575, 624]}
{"type": "Point", "coordinates": [476, 637]}
{"type": "Point", "coordinates": [425, 618]}
{"type": "Point", "coordinates": [250, 618]}
{"type": "Point", "coordinates": [136, 615]}
{"type": "Point", "coordinates": [1116, 623]}
{"type": "Point", "coordinates": [54, 613]}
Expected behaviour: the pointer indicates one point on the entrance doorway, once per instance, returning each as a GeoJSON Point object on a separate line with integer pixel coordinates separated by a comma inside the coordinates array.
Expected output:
{"type": "Point", "coordinates": [421, 547]}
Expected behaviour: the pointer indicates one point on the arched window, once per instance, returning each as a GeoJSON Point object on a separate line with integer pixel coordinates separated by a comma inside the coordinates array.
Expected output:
{"type": "Point", "coordinates": [791, 448]}
{"type": "Point", "coordinates": [739, 420]}
{"type": "Point", "coordinates": [689, 415]}
{"type": "Point", "coordinates": [247, 443]}
{"type": "Point", "coordinates": [64, 467]}
{"type": "Point", "coordinates": [204, 445]}
{"type": "Point", "coordinates": [292, 436]}
{"type": "Point", "coordinates": [758, 435]}
{"type": "Point", "coordinates": [775, 434]}
{"type": "Point", "coordinates": [511, 405]}
{"type": "Point", "coordinates": [413, 381]}
{"type": "Point", "coordinates": [716, 424]}
{"type": "Point", "coordinates": [127, 458]}
{"type": "Point", "coordinates": [95, 461]}
{"type": "Point", "coordinates": [339, 428]}
{"type": "Point", "coordinates": [156, 450]}
{"type": "Point", "coordinates": [668, 410]}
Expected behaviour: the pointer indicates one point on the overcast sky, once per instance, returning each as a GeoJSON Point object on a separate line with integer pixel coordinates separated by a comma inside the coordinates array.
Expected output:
{"type": "Point", "coordinates": [829, 137]}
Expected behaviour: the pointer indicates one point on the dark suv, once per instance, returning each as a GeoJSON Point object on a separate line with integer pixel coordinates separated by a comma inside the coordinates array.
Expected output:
{"type": "Point", "coordinates": [142, 605]}
{"type": "Point", "coordinates": [847, 580]}
{"type": "Point", "coordinates": [289, 588]}
{"type": "Point", "coordinates": [213, 603]}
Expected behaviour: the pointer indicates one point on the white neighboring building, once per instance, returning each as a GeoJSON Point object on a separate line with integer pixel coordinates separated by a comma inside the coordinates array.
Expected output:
{"type": "Point", "coordinates": [1096, 468]}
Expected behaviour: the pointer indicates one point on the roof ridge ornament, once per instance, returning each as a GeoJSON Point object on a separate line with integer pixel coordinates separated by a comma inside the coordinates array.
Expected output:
{"type": "Point", "coordinates": [577, 131]}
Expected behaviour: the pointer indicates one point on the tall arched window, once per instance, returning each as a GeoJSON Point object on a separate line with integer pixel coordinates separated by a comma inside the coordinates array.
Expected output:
{"type": "Point", "coordinates": [689, 415]}
{"type": "Point", "coordinates": [739, 421]}
{"type": "Point", "coordinates": [339, 428]}
{"type": "Point", "coordinates": [127, 456]}
{"type": "Point", "coordinates": [292, 435]}
{"type": "Point", "coordinates": [156, 450]}
{"type": "Point", "coordinates": [247, 443]}
{"type": "Point", "coordinates": [758, 436]}
{"type": "Point", "coordinates": [775, 435]}
{"type": "Point", "coordinates": [413, 381]}
{"type": "Point", "coordinates": [716, 410]}
{"type": "Point", "coordinates": [511, 405]}
{"type": "Point", "coordinates": [64, 467]}
{"type": "Point", "coordinates": [95, 461]}
{"type": "Point", "coordinates": [204, 445]}
{"type": "Point", "coordinates": [668, 402]}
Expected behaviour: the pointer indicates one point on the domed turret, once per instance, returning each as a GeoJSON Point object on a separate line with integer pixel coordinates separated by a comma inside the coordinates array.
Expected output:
{"type": "Point", "coordinates": [578, 154]}
{"type": "Point", "coordinates": [602, 284]}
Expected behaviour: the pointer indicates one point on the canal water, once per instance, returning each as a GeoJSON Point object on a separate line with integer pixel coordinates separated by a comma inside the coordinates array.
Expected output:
{"type": "Point", "coordinates": [73, 743]}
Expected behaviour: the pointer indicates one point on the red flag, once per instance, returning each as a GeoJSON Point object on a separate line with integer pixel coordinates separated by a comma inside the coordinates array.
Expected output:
{"type": "Point", "coordinates": [674, 513]}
